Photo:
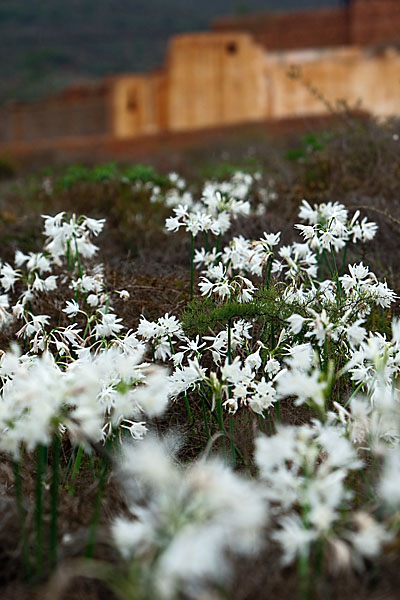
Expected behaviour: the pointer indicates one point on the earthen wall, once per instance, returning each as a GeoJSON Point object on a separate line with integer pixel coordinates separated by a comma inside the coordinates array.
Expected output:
{"type": "Point", "coordinates": [79, 111]}
{"type": "Point", "coordinates": [214, 79]}
{"type": "Point", "coordinates": [362, 79]}
{"type": "Point", "coordinates": [363, 22]}
{"type": "Point", "coordinates": [318, 29]}
{"type": "Point", "coordinates": [375, 22]}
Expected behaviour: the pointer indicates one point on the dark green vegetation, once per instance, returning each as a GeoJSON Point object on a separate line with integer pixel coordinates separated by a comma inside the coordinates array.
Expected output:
{"type": "Point", "coordinates": [49, 44]}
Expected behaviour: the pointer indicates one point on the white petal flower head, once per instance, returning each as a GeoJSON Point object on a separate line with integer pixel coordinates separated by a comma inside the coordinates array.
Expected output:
{"type": "Point", "coordinates": [186, 517]}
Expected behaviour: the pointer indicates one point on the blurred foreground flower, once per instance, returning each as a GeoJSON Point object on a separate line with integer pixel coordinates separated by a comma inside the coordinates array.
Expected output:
{"type": "Point", "coordinates": [187, 523]}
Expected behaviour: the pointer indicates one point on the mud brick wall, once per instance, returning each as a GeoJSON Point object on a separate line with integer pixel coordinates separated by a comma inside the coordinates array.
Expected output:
{"type": "Point", "coordinates": [289, 31]}
{"type": "Point", "coordinates": [375, 22]}
{"type": "Point", "coordinates": [214, 79]}
{"type": "Point", "coordinates": [77, 112]}
{"type": "Point", "coordinates": [364, 23]}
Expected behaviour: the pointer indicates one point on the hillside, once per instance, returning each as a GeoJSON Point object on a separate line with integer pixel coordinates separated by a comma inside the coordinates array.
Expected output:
{"type": "Point", "coordinates": [53, 43]}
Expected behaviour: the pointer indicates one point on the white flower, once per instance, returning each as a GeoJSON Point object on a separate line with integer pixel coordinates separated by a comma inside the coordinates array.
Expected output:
{"type": "Point", "coordinates": [71, 309]}
{"type": "Point", "coordinates": [294, 537]}
{"type": "Point", "coordinates": [186, 519]}
{"type": "Point", "coordinates": [95, 226]}
{"type": "Point", "coordinates": [124, 294]}
{"type": "Point", "coordinates": [296, 323]}
{"type": "Point", "coordinates": [110, 325]}
{"type": "Point", "coordinates": [369, 537]}
{"type": "Point", "coordinates": [8, 277]}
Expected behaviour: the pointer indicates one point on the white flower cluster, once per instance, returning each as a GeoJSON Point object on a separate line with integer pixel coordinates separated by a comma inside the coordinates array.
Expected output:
{"type": "Point", "coordinates": [305, 470]}
{"type": "Point", "coordinates": [185, 520]}
{"type": "Point", "coordinates": [71, 379]}
{"type": "Point", "coordinates": [87, 398]}
{"type": "Point", "coordinates": [328, 226]}
{"type": "Point", "coordinates": [71, 236]}
{"type": "Point", "coordinates": [219, 202]}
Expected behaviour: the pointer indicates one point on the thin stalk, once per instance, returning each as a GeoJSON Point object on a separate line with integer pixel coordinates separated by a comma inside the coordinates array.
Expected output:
{"type": "Point", "coordinates": [261, 423]}
{"type": "Point", "coordinates": [278, 411]}
{"type": "Point", "coordinates": [77, 463]}
{"type": "Point", "coordinates": [78, 258]}
{"type": "Point", "coordinates": [220, 418]}
{"type": "Point", "coordinates": [217, 246]}
{"type": "Point", "coordinates": [75, 468]}
{"type": "Point", "coordinates": [189, 412]}
{"type": "Point", "coordinates": [41, 454]}
{"type": "Point", "coordinates": [217, 419]}
{"type": "Point", "coordinates": [205, 419]}
{"type": "Point", "coordinates": [231, 429]}
{"type": "Point", "coordinates": [54, 491]}
{"type": "Point", "coordinates": [336, 273]}
{"type": "Point", "coordinates": [232, 440]}
{"type": "Point", "coordinates": [272, 334]}
{"type": "Point", "coordinates": [323, 254]}
{"type": "Point", "coordinates": [268, 275]}
{"type": "Point", "coordinates": [96, 510]}
{"type": "Point", "coordinates": [229, 340]}
{"type": "Point", "coordinates": [303, 571]}
{"type": "Point", "coordinates": [21, 518]}
{"type": "Point", "coordinates": [86, 327]}
{"type": "Point", "coordinates": [191, 266]}
{"type": "Point", "coordinates": [68, 256]}
{"type": "Point", "coordinates": [171, 345]}
{"type": "Point", "coordinates": [344, 258]}
{"type": "Point", "coordinates": [69, 465]}
{"type": "Point", "coordinates": [358, 388]}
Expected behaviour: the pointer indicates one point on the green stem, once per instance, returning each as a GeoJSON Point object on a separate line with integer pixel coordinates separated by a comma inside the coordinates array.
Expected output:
{"type": "Point", "coordinates": [229, 340]}
{"type": "Point", "coordinates": [220, 418]}
{"type": "Point", "coordinates": [358, 388]}
{"type": "Point", "coordinates": [344, 258]}
{"type": "Point", "coordinates": [205, 419]}
{"type": "Point", "coordinates": [217, 418]}
{"type": "Point", "coordinates": [77, 463]}
{"type": "Point", "coordinates": [171, 346]}
{"type": "Point", "coordinates": [69, 465]}
{"type": "Point", "coordinates": [86, 326]}
{"type": "Point", "coordinates": [41, 455]}
{"type": "Point", "coordinates": [75, 469]}
{"type": "Point", "coordinates": [68, 256]}
{"type": "Point", "coordinates": [231, 431]}
{"type": "Point", "coordinates": [189, 412]}
{"type": "Point", "coordinates": [78, 258]}
{"type": "Point", "coordinates": [191, 266]}
{"type": "Point", "coordinates": [278, 411]}
{"type": "Point", "coordinates": [268, 275]}
{"type": "Point", "coordinates": [323, 254]}
{"type": "Point", "coordinates": [217, 246]}
{"type": "Point", "coordinates": [96, 510]}
{"type": "Point", "coordinates": [336, 273]}
{"type": "Point", "coordinates": [54, 499]}
{"type": "Point", "coordinates": [21, 518]}
{"type": "Point", "coordinates": [232, 440]}
{"type": "Point", "coordinates": [302, 566]}
{"type": "Point", "coordinates": [272, 334]}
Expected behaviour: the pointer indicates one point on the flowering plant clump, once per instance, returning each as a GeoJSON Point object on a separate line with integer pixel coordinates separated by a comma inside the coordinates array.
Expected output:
{"type": "Point", "coordinates": [184, 521]}
{"type": "Point", "coordinates": [281, 377]}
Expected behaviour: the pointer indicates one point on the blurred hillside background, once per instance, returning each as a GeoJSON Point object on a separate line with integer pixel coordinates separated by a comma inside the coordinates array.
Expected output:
{"type": "Point", "coordinates": [49, 44]}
